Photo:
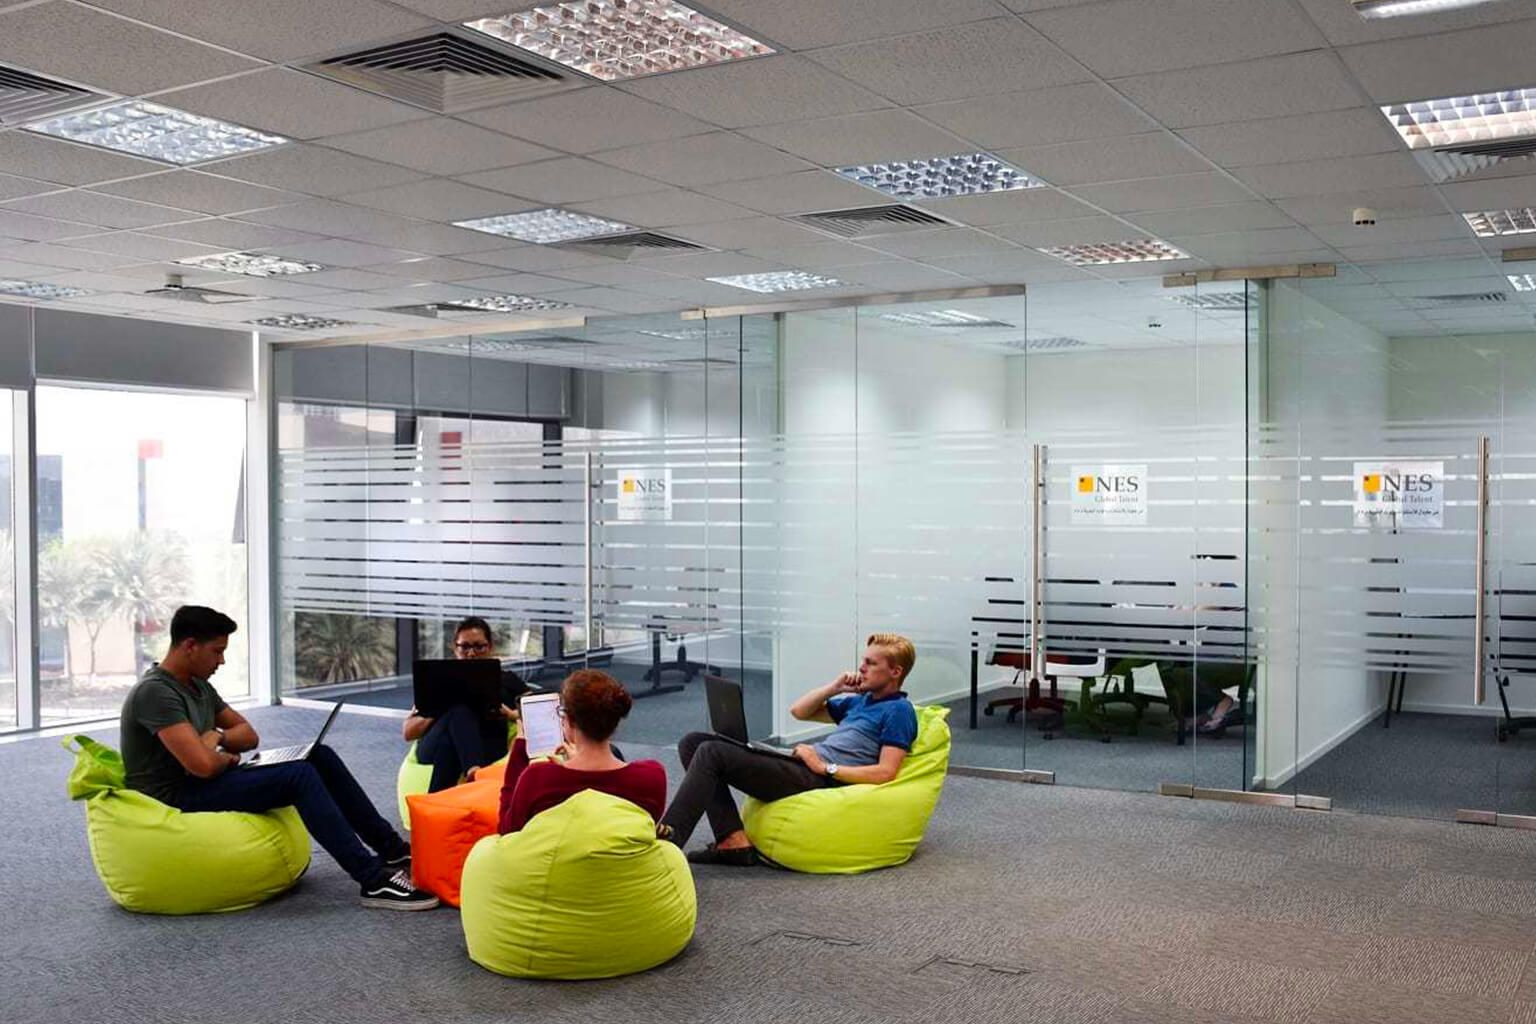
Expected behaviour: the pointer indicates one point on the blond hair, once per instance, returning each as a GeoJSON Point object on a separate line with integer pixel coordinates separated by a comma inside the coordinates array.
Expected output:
{"type": "Point", "coordinates": [897, 648]}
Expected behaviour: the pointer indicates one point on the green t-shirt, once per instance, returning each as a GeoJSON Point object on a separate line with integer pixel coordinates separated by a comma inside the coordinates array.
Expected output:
{"type": "Point", "coordinates": [156, 701]}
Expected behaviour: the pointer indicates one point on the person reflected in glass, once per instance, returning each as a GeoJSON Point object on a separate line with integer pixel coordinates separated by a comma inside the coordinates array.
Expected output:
{"type": "Point", "coordinates": [461, 741]}
{"type": "Point", "coordinates": [592, 704]}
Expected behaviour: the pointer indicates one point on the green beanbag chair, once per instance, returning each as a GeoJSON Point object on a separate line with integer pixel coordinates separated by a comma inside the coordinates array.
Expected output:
{"type": "Point", "coordinates": [585, 890]}
{"type": "Point", "coordinates": [415, 777]}
{"type": "Point", "coordinates": [154, 859]}
{"type": "Point", "coordinates": [842, 830]}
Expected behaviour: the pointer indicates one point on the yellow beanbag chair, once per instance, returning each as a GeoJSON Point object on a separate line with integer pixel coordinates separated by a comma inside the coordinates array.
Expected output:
{"type": "Point", "coordinates": [842, 830]}
{"type": "Point", "coordinates": [585, 890]}
{"type": "Point", "coordinates": [154, 859]}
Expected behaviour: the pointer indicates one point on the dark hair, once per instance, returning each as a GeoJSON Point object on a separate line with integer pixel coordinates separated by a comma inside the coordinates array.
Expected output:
{"type": "Point", "coordinates": [595, 702]}
{"type": "Point", "coordinates": [194, 622]}
{"type": "Point", "coordinates": [475, 622]}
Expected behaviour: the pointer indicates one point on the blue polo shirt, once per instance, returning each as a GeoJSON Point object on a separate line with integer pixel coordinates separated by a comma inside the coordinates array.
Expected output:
{"type": "Point", "coordinates": [864, 725]}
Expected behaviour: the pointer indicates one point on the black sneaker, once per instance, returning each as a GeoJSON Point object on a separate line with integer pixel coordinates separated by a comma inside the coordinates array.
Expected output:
{"type": "Point", "coordinates": [395, 892]}
{"type": "Point", "coordinates": [737, 857]}
{"type": "Point", "coordinates": [397, 862]}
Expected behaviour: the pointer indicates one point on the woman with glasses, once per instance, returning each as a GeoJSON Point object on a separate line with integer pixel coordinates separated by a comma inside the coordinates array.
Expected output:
{"type": "Point", "coordinates": [592, 704]}
{"type": "Point", "coordinates": [461, 741]}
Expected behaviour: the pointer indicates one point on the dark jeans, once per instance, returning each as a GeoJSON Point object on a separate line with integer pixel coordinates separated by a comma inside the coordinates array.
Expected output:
{"type": "Point", "coordinates": [713, 766]}
{"type": "Point", "coordinates": [334, 807]}
{"type": "Point", "coordinates": [459, 740]}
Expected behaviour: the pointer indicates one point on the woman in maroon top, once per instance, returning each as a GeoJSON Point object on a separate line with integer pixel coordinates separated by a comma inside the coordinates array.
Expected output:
{"type": "Point", "coordinates": [591, 705]}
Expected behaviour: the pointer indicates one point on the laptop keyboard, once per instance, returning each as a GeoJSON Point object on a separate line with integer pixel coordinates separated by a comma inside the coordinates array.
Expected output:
{"type": "Point", "coordinates": [277, 754]}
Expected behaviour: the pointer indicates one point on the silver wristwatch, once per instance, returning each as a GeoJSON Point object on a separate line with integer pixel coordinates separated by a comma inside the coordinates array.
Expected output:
{"type": "Point", "coordinates": [831, 770]}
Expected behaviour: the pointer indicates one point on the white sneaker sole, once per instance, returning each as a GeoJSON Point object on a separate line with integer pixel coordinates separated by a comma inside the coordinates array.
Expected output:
{"type": "Point", "coordinates": [388, 904]}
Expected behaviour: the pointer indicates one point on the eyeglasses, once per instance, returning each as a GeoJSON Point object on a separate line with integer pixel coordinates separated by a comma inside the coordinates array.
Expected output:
{"type": "Point", "coordinates": [476, 648]}
{"type": "Point", "coordinates": [560, 710]}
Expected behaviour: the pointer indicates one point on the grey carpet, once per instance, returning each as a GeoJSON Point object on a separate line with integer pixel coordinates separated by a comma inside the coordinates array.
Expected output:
{"type": "Point", "coordinates": [1025, 903]}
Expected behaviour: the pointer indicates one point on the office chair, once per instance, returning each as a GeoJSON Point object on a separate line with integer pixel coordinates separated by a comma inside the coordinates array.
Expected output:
{"type": "Point", "coordinates": [1511, 724]}
{"type": "Point", "coordinates": [1047, 711]}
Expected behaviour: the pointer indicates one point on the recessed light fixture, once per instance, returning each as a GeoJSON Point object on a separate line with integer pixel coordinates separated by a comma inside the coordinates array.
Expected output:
{"type": "Point", "coordinates": [616, 39]}
{"type": "Point", "coordinates": [39, 289]}
{"type": "Point", "coordinates": [1100, 253]}
{"type": "Point", "coordinates": [681, 334]}
{"type": "Point", "coordinates": [1403, 8]}
{"type": "Point", "coordinates": [299, 322]}
{"type": "Point", "coordinates": [252, 264]}
{"type": "Point", "coordinates": [504, 304]}
{"type": "Point", "coordinates": [546, 226]}
{"type": "Point", "coordinates": [943, 318]}
{"type": "Point", "coordinates": [778, 281]}
{"type": "Point", "coordinates": [1050, 344]}
{"type": "Point", "coordinates": [1492, 223]}
{"type": "Point", "coordinates": [1475, 120]}
{"type": "Point", "coordinates": [1523, 282]}
{"type": "Point", "coordinates": [1214, 300]}
{"type": "Point", "coordinates": [160, 133]}
{"type": "Point", "coordinates": [940, 177]}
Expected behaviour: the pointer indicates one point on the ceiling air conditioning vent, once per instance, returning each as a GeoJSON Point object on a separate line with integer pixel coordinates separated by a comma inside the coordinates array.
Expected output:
{"type": "Point", "coordinates": [632, 244]}
{"type": "Point", "coordinates": [443, 72]}
{"type": "Point", "coordinates": [25, 97]}
{"type": "Point", "coordinates": [699, 364]}
{"type": "Point", "coordinates": [1052, 344]}
{"type": "Point", "coordinates": [1464, 298]}
{"type": "Point", "coordinates": [865, 221]}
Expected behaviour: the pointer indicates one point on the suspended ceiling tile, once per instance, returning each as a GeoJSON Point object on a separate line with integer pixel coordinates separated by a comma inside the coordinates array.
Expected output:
{"type": "Point", "coordinates": [1450, 64]}
{"type": "Point", "coordinates": [806, 24]}
{"type": "Point", "coordinates": [437, 199]}
{"type": "Point", "coordinates": [1132, 37]}
{"type": "Point", "coordinates": [230, 234]}
{"type": "Point", "coordinates": [759, 231]}
{"type": "Point", "coordinates": [1343, 26]}
{"type": "Point", "coordinates": [1269, 87]}
{"type": "Point", "coordinates": [765, 90]}
{"type": "Point", "coordinates": [957, 62]}
{"type": "Point", "coordinates": [1357, 131]}
{"type": "Point", "coordinates": [703, 159]}
{"type": "Point", "coordinates": [141, 246]}
{"type": "Point", "coordinates": [1023, 206]}
{"type": "Point", "coordinates": [95, 49]}
{"type": "Point", "coordinates": [12, 187]}
{"type": "Point", "coordinates": [532, 257]}
{"type": "Point", "coordinates": [440, 146]}
{"type": "Point", "coordinates": [1077, 231]}
{"type": "Point", "coordinates": [1408, 250]}
{"type": "Point", "coordinates": [1340, 174]}
{"type": "Point", "coordinates": [1228, 245]}
{"type": "Point", "coordinates": [1227, 217]}
{"type": "Point", "coordinates": [278, 30]}
{"type": "Point", "coordinates": [668, 208]}
{"type": "Point", "coordinates": [60, 256]}
{"type": "Point", "coordinates": [94, 208]}
{"type": "Point", "coordinates": [568, 179]}
{"type": "Point", "coordinates": [861, 138]}
{"type": "Point", "coordinates": [800, 192]}
{"type": "Point", "coordinates": [599, 117]}
{"type": "Point", "coordinates": [291, 103]}
{"type": "Point", "coordinates": [1146, 155]}
{"type": "Point", "coordinates": [516, 284]}
{"type": "Point", "coordinates": [36, 156]}
{"type": "Point", "coordinates": [1066, 114]}
{"type": "Point", "coordinates": [1388, 203]}
{"type": "Point", "coordinates": [1167, 193]}
{"type": "Point", "coordinates": [203, 193]}
{"type": "Point", "coordinates": [928, 246]}
{"type": "Point", "coordinates": [814, 256]}
{"type": "Point", "coordinates": [1492, 193]}
{"type": "Point", "coordinates": [1406, 229]}
{"type": "Point", "coordinates": [337, 252]}
{"type": "Point", "coordinates": [313, 170]}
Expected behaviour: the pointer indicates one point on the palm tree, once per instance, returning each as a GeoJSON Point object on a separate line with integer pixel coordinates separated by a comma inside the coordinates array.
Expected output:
{"type": "Point", "coordinates": [72, 589]}
{"type": "Point", "coordinates": [148, 575]}
{"type": "Point", "coordinates": [341, 648]}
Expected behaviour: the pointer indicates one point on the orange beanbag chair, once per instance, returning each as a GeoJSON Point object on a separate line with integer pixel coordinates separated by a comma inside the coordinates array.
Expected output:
{"type": "Point", "coordinates": [444, 827]}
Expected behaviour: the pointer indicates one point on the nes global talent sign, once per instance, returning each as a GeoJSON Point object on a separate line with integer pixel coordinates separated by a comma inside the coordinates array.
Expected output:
{"type": "Point", "coordinates": [1109, 495]}
{"type": "Point", "coordinates": [1400, 495]}
{"type": "Point", "coordinates": [645, 495]}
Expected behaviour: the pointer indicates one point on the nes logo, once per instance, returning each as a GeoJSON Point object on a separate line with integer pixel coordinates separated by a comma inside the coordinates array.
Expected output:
{"type": "Point", "coordinates": [645, 495]}
{"type": "Point", "coordinates": [1109, 495]}
{"type": "Point", "coordinates": [1400, 495]}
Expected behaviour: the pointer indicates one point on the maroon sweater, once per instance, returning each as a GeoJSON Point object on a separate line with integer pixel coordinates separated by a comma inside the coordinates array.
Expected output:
{"type": "Point", "coordinates": [531, 788]}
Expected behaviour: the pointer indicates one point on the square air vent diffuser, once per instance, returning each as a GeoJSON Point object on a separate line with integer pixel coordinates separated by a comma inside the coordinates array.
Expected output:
{"type": "Point", "coordinates": [632, 244]}
{"type": "Point", "coordinates": [444, 72]}
{"type": "Point", "coordinates": [27, 97]}
{"type": "Point", "coordinates": [867, 221]}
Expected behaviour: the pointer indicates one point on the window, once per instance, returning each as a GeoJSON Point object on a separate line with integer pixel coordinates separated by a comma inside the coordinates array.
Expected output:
{"type": "Point", "coordinates": [141, 508]}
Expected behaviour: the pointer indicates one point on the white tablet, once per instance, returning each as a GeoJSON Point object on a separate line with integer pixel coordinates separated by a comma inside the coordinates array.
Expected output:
{"type": "Point", "coordinates": [541, 723]}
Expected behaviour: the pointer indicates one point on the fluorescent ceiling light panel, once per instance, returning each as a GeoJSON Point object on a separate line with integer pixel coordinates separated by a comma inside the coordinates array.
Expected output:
{"type": "Point", "coordinates": [299, 322]}
{"type": "Point", "coordinates": [942, 318]}
{"type": "Point", "coordinates": [545, 227]}
{"type": "Point", "coordinates": [1214, 300]}
{"type": "Point", "coordinates": [681, 334]}
{"type": "Point", "coordinates": [1475, 120]}
{"type": "Point", "coordinates": [1052, 344]}
{"type": "Point", "coordinates": [1101, 253]}
{"type": "Point", "coordinates": [39, 289]}
{"type": "Point", "coordinates": [252, 264]}
{"type": "Point", "coordinates": [160, 133]}
{"type": "Point", "coordinates": [504, 304]}
{"type": "Point", "coordinates": [940, 177]}
{"type": "Point", "coordinates": [617, 39]}
{"type": "Point", "coordinates": [1523, 282]}
{"type": "Point", "coordinates": [1493, 223]}
{"type": "Point", "coordinates": [1402, 8]}
{"type": "Point", "coordinates": [778, 281]}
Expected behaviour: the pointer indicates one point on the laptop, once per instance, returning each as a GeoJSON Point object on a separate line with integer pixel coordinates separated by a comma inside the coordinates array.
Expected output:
{"type": "Point", "coordinates": [297, 752]}
{"type": "Point", "coordinates": [728, 716]}
{"type": "Point", "coordinates": [440, 683]}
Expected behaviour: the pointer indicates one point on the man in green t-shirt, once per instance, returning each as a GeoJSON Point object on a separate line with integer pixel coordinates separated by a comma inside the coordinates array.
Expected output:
{"type": "Point", "coordinates": [182, 745]}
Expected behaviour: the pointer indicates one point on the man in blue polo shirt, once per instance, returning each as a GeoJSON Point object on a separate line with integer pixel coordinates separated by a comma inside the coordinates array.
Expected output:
{"type": "Point", "coordinates": [876, 725]}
